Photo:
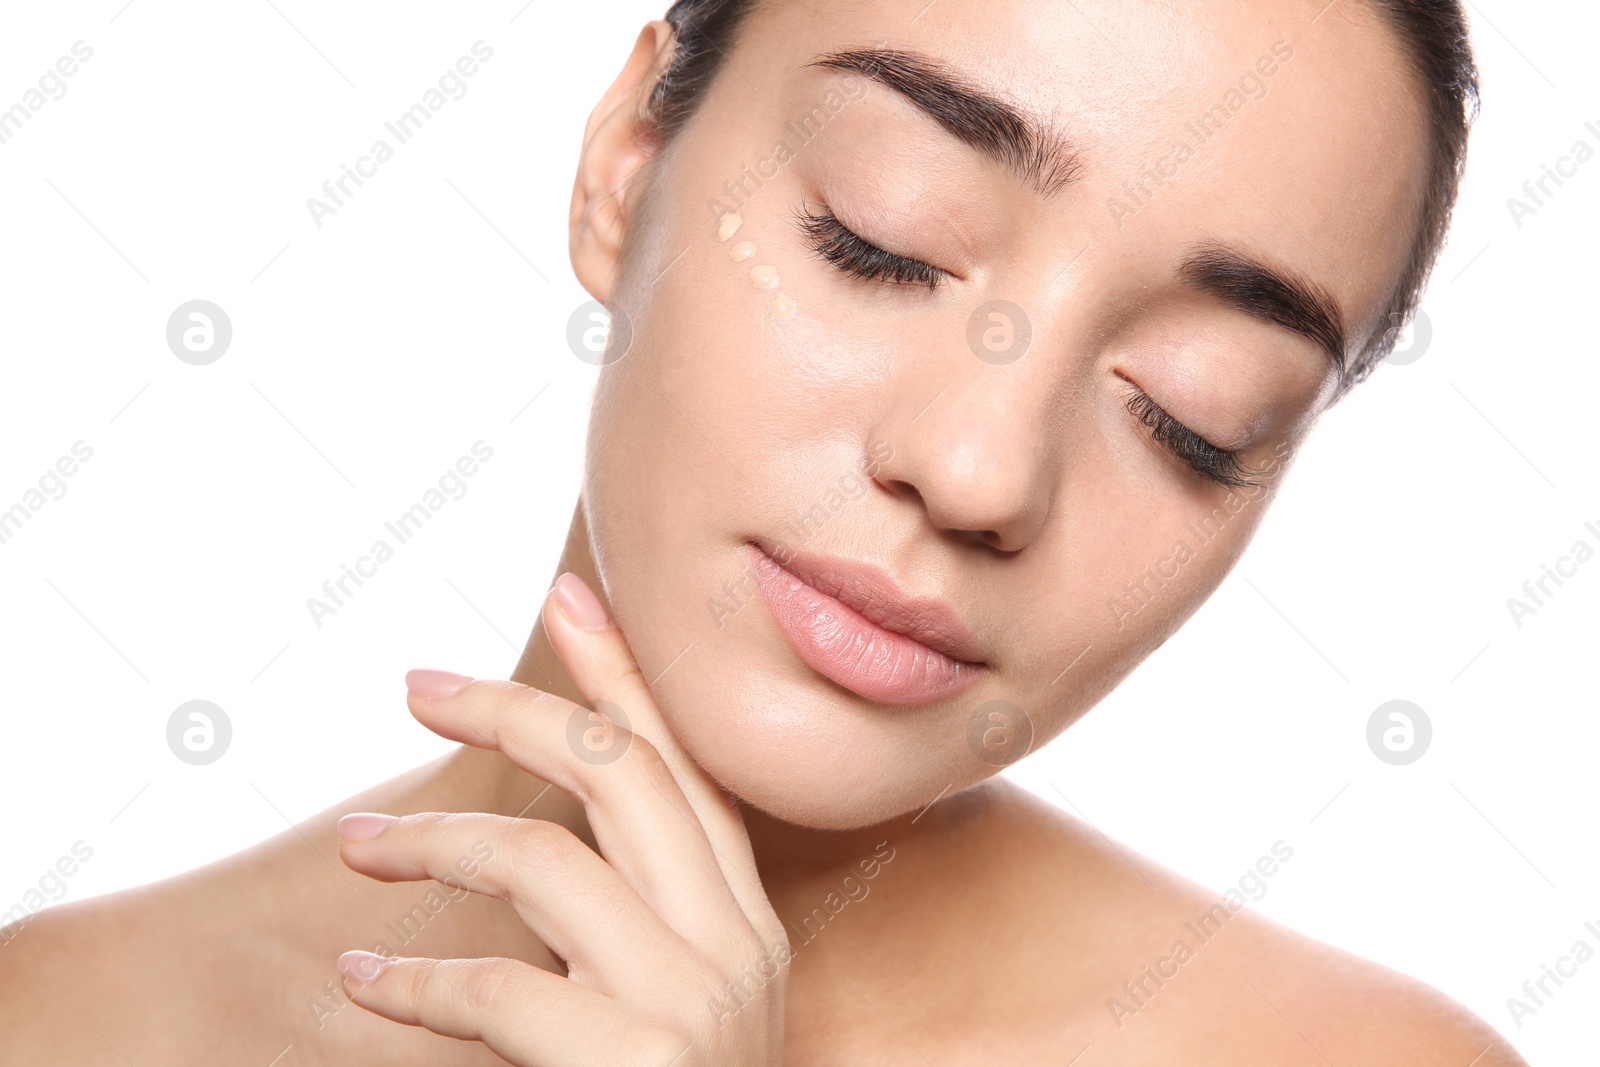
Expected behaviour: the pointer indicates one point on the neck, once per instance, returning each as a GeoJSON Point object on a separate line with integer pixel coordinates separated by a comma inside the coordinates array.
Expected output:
{"type": "Point", "coordinates": [539, 666]}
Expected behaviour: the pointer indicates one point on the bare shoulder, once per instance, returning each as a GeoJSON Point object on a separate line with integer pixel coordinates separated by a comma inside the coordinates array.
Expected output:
{"type": "Point", "coordinates": [79, 982]}
{"type": "Point", "coordinates": [234, 961]}
{"type": "Point", "coordinates": [39, 1024]}
{"type": "Point", "coordinates": [1363, 1011]}
{"type": "Point", "coordinates": [1166, 970]}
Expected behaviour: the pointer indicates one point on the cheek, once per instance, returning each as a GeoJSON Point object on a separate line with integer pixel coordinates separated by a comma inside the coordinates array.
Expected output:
{"type": "Point", "coordinates": [1135, 565]}
{"type": "Point", "coordinates": [1198, 542]}
{"type": "Point", "coordinates": [744, 385]}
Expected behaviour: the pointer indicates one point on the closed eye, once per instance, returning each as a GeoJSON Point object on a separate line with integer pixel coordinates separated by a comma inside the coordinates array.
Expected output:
{"type": "Point", "coordinates": [854, 255]}
{"type": "Point", "coordinates": [1214, 464]}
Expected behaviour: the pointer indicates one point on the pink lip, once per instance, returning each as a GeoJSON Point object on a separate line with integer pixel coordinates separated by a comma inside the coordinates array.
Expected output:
{"type": "Point", "coordinates": [849, 622]}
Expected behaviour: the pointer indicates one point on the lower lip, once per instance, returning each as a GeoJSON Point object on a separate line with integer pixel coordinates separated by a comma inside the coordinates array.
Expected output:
{"type": "Point", "coordinates": [841, 645]}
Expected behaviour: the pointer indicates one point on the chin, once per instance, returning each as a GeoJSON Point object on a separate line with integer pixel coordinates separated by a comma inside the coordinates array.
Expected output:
{"type": "Point", "coordinates": [807, 752]}
{"type": "Point", "coordinates": [819, 787]}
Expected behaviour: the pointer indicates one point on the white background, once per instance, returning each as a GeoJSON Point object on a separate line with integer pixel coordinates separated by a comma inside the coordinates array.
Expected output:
{"type": "Point", "coordinates": [428, 312]}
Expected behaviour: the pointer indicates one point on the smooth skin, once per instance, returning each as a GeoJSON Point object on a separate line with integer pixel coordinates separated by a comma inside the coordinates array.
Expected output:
{"type": "Point", "coordinates": [596, 907]}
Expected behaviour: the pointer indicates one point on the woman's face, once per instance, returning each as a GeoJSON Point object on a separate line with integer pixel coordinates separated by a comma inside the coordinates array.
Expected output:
{"type": "Point", "coordinates": [1215, 194]}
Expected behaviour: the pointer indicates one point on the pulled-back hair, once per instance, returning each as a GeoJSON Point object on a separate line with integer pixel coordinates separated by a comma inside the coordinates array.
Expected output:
{"type": "Point", "coordinates": [1433, 32]}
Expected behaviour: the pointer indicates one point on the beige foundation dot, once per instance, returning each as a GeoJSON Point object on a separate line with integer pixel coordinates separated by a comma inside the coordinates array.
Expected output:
{"type": "Point", "coordinates": [783, 306]}
{"type": "Point", "coordinates": [765, 277]}
{"type": "Point", "coordinates": [742, 251]}
{"type": "Point", "coordinates": [730, 226]}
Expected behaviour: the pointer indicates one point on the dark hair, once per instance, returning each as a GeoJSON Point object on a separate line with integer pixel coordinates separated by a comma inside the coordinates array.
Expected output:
{"type": "Point", "coordinates": [706, 32]}
{"type": "Point", "coordinates": [1434, 32]}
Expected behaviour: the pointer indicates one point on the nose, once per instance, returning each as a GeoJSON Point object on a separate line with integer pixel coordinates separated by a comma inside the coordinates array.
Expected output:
{"type": "Point", "coordinates": [973, 455]}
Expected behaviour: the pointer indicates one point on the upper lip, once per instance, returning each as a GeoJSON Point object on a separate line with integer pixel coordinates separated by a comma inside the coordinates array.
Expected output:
{"type": "Point", "coordinates": [870, 592]}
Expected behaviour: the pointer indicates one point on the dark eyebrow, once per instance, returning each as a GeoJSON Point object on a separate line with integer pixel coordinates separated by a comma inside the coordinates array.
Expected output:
{"type": "Point", "coordinates": [1039, 155]}
{"type": "Point", "coordinates": [1272, 294]}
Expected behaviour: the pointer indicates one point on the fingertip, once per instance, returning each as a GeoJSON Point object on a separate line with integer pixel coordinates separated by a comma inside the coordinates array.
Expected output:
{"type": "Point", "coordinates": [363, 826]}
{"type": "Point", "coordinates": [363, 968]}
{"type": "Point", "coordinates": [438, 685]}
{"type": "Point", "coordinates": [579, 604]}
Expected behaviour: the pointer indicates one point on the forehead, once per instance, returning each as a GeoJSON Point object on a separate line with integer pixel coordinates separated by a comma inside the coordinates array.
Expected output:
{"type": "Point", "coordinates": [1294, 127]}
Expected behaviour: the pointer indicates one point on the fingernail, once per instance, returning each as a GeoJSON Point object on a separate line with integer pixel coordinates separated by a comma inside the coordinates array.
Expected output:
{"type": "Point", "coordinates": [363, 826]}
{"type": "Point", "coordinates": [578, 603]}
{"type": "Point", "coordinates": [363, 967]}
{"type": "Point", "coordinates": [436, 683]}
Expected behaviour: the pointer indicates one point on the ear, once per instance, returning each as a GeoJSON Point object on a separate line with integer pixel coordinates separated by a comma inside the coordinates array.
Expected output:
{"type": "Point", "coordinates": [615, 148]}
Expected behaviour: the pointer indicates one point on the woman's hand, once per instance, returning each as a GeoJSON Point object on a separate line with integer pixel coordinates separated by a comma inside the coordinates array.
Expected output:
{"type": "Point", "coordinates": [674, 954]}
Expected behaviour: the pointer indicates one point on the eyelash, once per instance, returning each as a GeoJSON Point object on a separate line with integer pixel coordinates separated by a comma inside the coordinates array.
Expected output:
{"type": "Point", "coordinates": [854, 255]}
{"type": "Point", "coordinates": [1207, 460]}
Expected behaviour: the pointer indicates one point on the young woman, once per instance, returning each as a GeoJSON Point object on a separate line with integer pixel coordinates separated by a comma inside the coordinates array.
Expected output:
{"type": "Point", "coordinates": [934, 328]}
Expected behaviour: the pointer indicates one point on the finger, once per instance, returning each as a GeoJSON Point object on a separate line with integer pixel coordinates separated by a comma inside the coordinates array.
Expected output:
{"type": "Point", "coordinates": [596, 655]}
{"type": "Point", "coordinates": [574, 901]}
{"type": "Point", "coordinates": [526, 1016]}
{"type": "Point", "coordinates": [663, 855]}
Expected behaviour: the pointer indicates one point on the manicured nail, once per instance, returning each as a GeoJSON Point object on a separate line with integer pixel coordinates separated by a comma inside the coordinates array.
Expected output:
{"type": "Point", "coordinates": [363, 826]}
{"type": "Point", "coordinates": [363, 967]}
{"type": "Point", "coordinates": [578, 603]}
{"type": "Point", "coordinates": [436, 683]}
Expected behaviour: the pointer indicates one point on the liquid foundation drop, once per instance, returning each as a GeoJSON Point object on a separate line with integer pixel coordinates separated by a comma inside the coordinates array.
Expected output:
{"type": "Point", "coordinates": [730, 226]}
{"type": "Point", "coordinates": [742, 251]}
{"type": "Point", "coordinates": [783, 306]}
{"type": "Point", "coordinates": [765, 277]}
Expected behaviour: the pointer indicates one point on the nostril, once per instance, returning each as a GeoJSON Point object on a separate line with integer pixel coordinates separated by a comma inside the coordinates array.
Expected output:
{"type": "Point", "coordinates": [904, 490]}
{"type": "Point", "coordinates": [986, 538]}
